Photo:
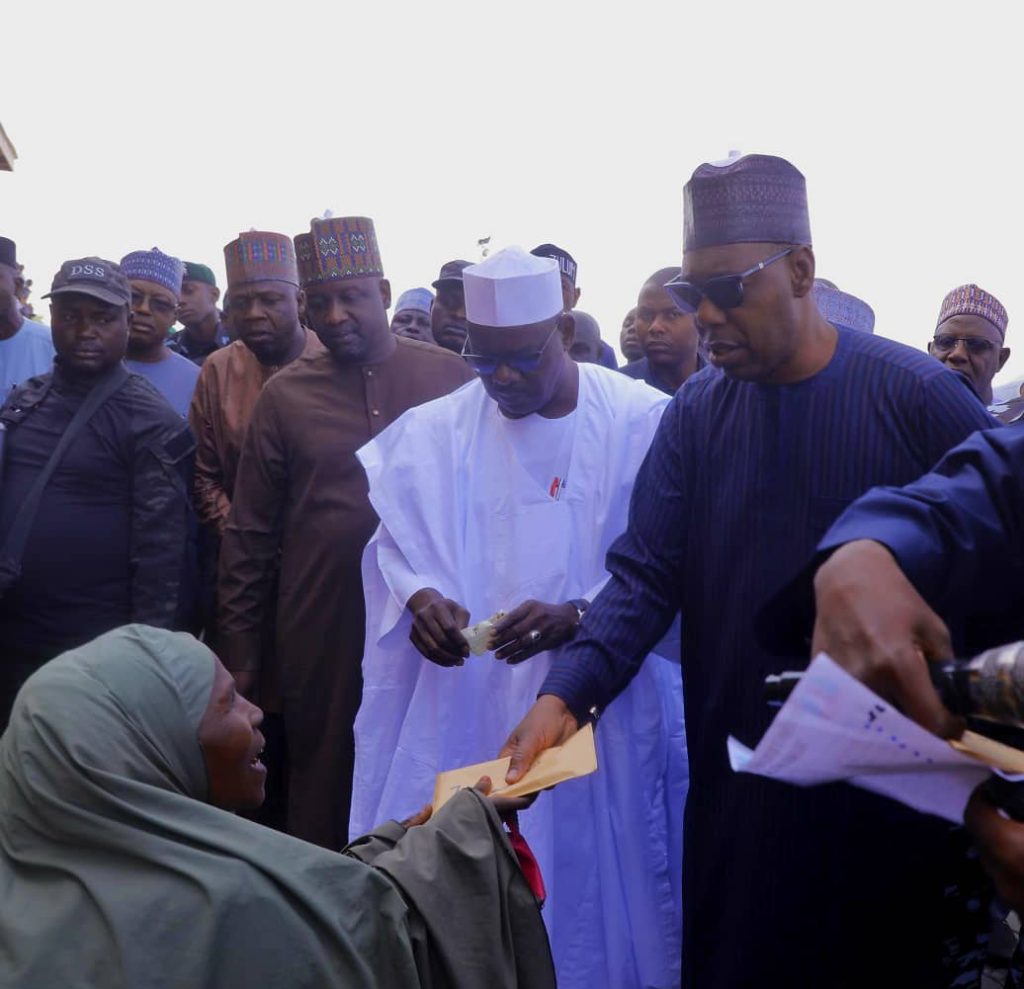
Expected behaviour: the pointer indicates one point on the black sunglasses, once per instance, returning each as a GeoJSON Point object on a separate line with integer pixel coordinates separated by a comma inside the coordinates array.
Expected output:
{"type": "Point", "coordinates": [945, 343]}
{"type": "Point", "coordinates": [523, 363]}
{"type": "Point", "coordinates": [723, 291]}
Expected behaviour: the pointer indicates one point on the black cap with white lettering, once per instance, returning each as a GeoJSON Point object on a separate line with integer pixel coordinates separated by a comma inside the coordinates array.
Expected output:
{"type": "Point", "coordinates": [101, 279]}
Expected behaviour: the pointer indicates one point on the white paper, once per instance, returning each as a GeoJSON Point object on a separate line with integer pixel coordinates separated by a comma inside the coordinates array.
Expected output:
{"type": "Point", "coordinates": [832, 727]}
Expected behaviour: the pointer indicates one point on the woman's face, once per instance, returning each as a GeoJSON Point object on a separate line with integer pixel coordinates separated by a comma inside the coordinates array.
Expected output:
{"type": "Point", "coordinates": [232, 743]}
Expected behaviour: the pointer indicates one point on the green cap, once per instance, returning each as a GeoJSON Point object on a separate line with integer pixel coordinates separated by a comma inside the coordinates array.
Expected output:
{"type": "Point", "coordinates": [195, 272]}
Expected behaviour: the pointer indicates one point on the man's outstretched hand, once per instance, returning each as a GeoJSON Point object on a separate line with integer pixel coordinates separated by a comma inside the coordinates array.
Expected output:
{"type": "Point", "coordinates": [547, 724]}
{"type": "Point", "coordinates": [872, 621]}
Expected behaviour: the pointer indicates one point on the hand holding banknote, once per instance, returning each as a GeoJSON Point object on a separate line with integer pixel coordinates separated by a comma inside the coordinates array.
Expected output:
{"type": "Point", "coordinates": [436, 625]}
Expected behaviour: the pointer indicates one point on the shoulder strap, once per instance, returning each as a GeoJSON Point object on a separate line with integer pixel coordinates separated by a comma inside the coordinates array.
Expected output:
{"type": "Point", "coordinates": [14, 545]}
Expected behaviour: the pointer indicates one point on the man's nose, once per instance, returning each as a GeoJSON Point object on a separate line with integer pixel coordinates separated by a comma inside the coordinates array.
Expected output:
{"type": "Point", "coordinates": [505, 375]}
{"type": "Point", "coordinates": [336, 313]}
{"type": "Point", "coordinates": [709, 314]}
{"type": "Point", "coordinates": [254, 311]}
{"type": "Point", "coordinates": [959, 353]}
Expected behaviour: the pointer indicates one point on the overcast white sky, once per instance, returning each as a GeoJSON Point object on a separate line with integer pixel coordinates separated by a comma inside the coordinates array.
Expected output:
{"type": "Point", "coordinates": [178, 125]}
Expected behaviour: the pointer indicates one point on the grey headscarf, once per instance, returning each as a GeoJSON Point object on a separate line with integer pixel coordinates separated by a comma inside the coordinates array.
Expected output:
{"type": "Point", "coordinates": [114, 872]}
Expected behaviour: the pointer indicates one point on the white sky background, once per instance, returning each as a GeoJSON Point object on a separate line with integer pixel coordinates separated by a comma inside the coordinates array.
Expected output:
{"type": "Point", "coordinates": [178, 125]}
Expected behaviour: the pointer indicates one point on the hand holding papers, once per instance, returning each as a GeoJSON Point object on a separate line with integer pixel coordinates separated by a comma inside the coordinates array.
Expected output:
{"type": "Point", "coordinates": [834, 728]}
{"type": "Point", "coordinates": [577, 757]}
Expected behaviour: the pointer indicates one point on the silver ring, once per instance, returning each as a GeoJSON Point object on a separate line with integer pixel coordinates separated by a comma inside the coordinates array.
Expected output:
{"type": "Point", "coordinates": [533, 636]}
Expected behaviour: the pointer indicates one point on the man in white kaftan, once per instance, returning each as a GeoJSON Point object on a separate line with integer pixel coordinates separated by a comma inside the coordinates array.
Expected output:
{"type": "Point", "coordinates": [506, 495]}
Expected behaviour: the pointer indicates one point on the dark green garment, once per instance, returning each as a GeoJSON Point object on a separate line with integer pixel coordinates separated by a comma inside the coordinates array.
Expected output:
{"type": "Point", "coordinates": [475, 921]}
{"type": "Point", "coordinates": [115, 873]}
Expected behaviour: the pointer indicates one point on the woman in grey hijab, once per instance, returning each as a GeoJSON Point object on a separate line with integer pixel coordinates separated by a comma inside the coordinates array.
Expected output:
{"type": "Point", "coordinates": [118, 870]}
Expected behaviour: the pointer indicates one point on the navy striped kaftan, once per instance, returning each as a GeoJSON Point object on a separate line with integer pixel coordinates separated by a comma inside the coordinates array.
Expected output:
{"type": "Point", "coordinates": [826, 887]}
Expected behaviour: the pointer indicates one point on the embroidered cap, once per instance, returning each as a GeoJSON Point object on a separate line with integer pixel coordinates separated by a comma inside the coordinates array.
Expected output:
{"type": "Point", "coordinates": [261, 256]}
{"type": "Point", "coordinates": [750, 200]}
{"type": "Point", "coordinates": [841, 308]}
{"type": "Point", "coordinates": [338, 248]}
{"type": "Point", "coordinates": [969, 300]}
{"type": "Point", "coordinates": [419, 299]}
{"type": "Point", "coordinates": [154, 266]}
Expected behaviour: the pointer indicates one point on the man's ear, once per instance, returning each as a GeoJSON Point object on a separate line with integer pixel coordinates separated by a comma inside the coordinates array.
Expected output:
{"type": "Point", "coordinates": [216, 293]}
{"type": "Point", "coordinates": [801, 265]}
{"type": "Point", "coordinates": [385, 292]}
{"type": "Point", "coordinates": [567, 329]}
{"type": "Point", "coordinates": [300, 299]}
{"type": "Point", "coordinates": [1004, 356]}
{"type": "Point", "coordinates": [577, 298]}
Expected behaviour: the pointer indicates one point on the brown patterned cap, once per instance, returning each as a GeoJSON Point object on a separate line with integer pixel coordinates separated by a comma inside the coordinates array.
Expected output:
{"type": "Point", "coordinates": [259, 256]}
{"type": "Point", "coordinates": [336, 248]}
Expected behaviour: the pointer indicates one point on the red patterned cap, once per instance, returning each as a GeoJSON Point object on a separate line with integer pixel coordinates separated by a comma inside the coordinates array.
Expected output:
{"type": "Point", "coordinates": [969, 300]}
{"type": "Point", "coordinates": [338, 248]}
{"type": "Point", "coordinates": [258, 256]}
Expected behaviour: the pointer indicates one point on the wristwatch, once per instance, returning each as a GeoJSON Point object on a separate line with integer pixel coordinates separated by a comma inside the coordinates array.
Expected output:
{"type": "Point", "coordinates": [581, 605]}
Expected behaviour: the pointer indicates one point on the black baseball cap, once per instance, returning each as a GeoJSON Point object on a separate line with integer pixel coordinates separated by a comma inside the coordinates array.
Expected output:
{"type": "Point", "coordinates": [566, 262]}
{"type": "Point", "coordinates": [97, 277]}
{"type": "Point", "coordinates": [451, 273]}
{"type": "Point", "coordinates": [8, 252]}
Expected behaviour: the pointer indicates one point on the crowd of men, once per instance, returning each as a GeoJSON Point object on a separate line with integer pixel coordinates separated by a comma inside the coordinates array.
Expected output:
{"type": "Point", "coordinates": [326, 496]}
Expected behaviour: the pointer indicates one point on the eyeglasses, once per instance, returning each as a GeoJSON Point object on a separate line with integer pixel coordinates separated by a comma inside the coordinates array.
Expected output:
{"type": "Point", "coordinates": [724, 291]}
{"type": "Point", "coordinates": [524, 363]}
{"type": "Point", "coordinates": [945, 343]}
{"type": "Point", "coordinates": [158, 305]}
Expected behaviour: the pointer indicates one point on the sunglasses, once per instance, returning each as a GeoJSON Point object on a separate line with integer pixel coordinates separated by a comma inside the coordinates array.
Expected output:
{"type": "Point", "coordinates": [945, 343]}
{"type": "Point", "coordinates": [723, 291]}
{"type": "Point", "coordinates": [523, 363]}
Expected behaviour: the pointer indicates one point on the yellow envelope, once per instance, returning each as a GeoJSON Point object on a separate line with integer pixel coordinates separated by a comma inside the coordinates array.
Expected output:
{"type": "Point", "coordinates": [991, 752]}
{"type": "Point", "coordinates": [577, 757]}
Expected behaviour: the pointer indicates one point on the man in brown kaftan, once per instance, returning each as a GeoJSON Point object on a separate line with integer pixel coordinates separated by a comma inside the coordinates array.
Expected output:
{"type": "Point", "coordinates": [301, 496]}
{"type": "Point", "coordinates": [267, 304]}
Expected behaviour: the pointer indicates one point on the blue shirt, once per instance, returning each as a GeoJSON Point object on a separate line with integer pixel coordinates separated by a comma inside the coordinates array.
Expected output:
{"type": "Point", "coordinates": [740, 484]}
{"type": "Point", "coordinates": [26, 354]}
{"type": "Point", "coordinates": [174, 377]}
{"type": "Point", "coordinates": [644, 371]}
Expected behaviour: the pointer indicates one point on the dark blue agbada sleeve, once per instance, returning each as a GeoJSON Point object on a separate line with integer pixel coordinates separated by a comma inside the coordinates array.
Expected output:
{"type": "Point", "coordinates": [957, 532]}
{"type": "Point", "coordinates": [636, 607]}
